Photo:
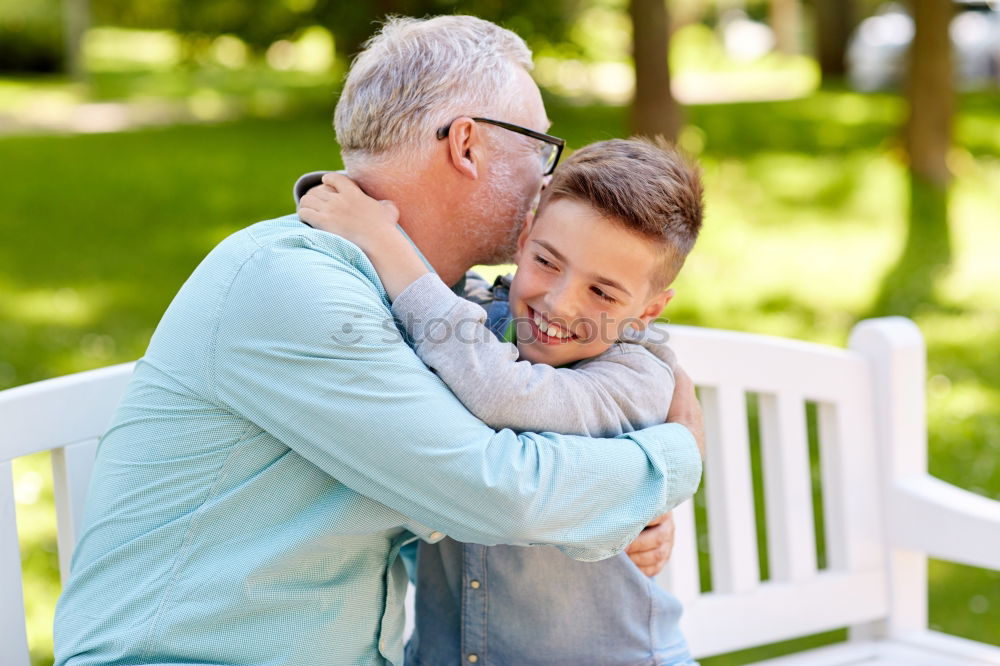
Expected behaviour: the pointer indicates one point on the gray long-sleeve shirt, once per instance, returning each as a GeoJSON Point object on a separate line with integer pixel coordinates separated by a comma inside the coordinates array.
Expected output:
{"type": "Point", "coordinates": [626, 388]}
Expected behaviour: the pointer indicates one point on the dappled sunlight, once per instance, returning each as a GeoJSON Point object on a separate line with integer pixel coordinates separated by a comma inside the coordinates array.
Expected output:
{"type": "Point", "coordinates": [117, 49]}
{"type": "Point", "coordinates": [979, 134]}
{"type": "Point", "coordinates": [607, 82]}
{"type": "Point", "coordinates": [967, 399]}
{"type": "Point", "coordinates": [702, 71]}
{"type": "Point", "coordinates": [975, 221]}
{"type": "Point", "coordinates": [230, 52]}
{"type": "Point", "coordinates": [854, 109]}
{"type": "Point", "coordinates": [65, 306]}
{"type": "Point", "coordinates": [797, 80]}
{"type": "Point", "coordinates": [207, 104]}
{"type": "Point", "coordinates": [140, 78]}
{"type": "Point", "coordinates": [313, 51]}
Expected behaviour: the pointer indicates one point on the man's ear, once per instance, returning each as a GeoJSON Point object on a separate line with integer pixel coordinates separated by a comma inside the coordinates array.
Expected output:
{"type": "Point", "coordinates": [463, 145]}
{"type": "Point", "coordinates": [655, 306]}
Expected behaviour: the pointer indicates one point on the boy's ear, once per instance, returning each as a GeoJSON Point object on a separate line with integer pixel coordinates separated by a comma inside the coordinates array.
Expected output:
{"type": "Point", "coordinates": [463, 147]}
{"type": "Point", "coordinates": [655, 306]}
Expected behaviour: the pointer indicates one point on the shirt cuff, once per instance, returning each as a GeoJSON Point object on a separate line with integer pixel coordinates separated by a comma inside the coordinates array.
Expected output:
{"type": "Point", "coordinates": [681, 459]}
{"type": "Point", "coordinates": [681, 462]}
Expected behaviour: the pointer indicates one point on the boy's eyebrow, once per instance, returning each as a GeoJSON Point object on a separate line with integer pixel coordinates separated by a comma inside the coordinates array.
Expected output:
{"type": "Point", "coordinates": [611, 283]}
{"type": "Point", "coordinates": [597, 278]}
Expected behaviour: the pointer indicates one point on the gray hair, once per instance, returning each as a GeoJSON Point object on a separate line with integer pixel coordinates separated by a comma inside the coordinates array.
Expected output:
{"type": "Point", "coordinates": [416, 75]}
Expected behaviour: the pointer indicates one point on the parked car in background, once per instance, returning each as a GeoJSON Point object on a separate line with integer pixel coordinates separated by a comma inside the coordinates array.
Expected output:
{"type": "Point", "coordinates": [877, 52]}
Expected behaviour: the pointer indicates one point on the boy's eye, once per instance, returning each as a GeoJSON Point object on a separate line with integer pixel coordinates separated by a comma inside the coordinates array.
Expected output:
{"type": "Point", "coordinates": [603, 296]}
{"type": "Point", "coordinates": [543, 261]}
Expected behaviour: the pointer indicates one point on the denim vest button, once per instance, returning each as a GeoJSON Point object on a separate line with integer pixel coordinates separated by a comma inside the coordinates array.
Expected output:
{"type": "Point", "coordinates": [473, 658]}
{"type": "Point", "coordinates": [474, 585]}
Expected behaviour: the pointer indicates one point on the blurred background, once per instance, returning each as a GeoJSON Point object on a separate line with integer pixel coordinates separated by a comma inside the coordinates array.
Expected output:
{"type": "Point", "coordinates": [851, 153]}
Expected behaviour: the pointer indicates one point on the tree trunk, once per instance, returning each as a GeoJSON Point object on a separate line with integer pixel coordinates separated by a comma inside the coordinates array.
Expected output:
{"type": "Point", "coordinates": [834, 22]}
{"type": "Point", "coordinates": [785, 24]}
{"type": "Point", "coordinates": [654, 109]}
{"type": "Point", "coordinates": [76, 20]}
{"type": "Point", "coordinates": [930, 93]}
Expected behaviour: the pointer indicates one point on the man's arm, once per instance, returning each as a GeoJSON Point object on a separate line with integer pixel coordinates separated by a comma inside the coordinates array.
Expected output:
{"type": "Point", "coordinates": [307, 351]}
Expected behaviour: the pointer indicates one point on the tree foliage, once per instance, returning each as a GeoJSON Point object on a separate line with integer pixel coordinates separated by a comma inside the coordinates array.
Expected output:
{"type": "Point", "coordinates": [30, 36]}
{"type": "Point", "coordinates": [261, 22]}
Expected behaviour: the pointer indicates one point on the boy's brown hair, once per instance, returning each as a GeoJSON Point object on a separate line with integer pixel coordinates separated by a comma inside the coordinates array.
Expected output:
{"type": "Point", "coordinates": [641, 184]}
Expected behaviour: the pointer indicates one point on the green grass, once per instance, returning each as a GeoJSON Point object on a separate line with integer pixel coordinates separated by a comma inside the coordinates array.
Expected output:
{"type": "Point", "coordinates": [806, 213]}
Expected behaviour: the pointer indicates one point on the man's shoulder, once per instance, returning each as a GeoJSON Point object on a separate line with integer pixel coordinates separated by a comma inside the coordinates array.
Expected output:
{"type": "Point", "coordinates": [283, 269]}
{"type": "Point", "coordinates": [287, 245]}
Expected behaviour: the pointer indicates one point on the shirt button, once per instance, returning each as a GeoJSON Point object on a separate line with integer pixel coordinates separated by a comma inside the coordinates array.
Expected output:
{"type": "Point", "coordinates": [381, 645]}
{"type": "Point", "coordinates": [474, 585]}
{"type": "Point", "coordinates": [473, 658]}
{"type": "Point", "coordinates": [436, 535]}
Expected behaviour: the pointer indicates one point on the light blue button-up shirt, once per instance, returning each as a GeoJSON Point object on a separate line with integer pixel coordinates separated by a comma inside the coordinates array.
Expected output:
{"type": "Point", "coordinates": [280, 442]}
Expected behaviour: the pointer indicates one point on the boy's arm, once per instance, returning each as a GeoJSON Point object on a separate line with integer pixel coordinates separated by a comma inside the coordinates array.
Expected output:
{"type": "Point", "coordinates": [624, 389]}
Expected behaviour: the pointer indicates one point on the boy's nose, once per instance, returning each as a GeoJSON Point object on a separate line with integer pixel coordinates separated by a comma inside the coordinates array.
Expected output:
{"type": "Point", "coordinates": [562, 307]}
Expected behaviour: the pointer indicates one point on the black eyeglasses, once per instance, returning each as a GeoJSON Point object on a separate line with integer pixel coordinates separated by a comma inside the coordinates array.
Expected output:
{"type": "Point", "coordinates": [548, 154]}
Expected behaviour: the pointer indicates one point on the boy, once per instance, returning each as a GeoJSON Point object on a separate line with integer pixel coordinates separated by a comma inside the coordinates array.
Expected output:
{"type": "Point", "coordinates": [612, 232]}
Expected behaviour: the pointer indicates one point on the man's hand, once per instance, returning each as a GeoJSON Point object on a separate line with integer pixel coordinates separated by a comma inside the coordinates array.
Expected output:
{"type": "Point", "coordinates": [651, 549]}
{"type": "Point", "coordinates": [685, 409]}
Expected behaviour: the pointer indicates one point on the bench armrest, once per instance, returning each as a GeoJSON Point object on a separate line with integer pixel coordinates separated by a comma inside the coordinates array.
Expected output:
{"type": "Point", "coordinates": [944, 521]}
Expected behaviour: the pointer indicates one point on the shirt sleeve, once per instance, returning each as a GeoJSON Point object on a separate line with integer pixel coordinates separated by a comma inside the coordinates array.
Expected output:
{"type": "Point", "coordinates": [626, 388]}
{"type": "Point", "coordinates": [306, 349]}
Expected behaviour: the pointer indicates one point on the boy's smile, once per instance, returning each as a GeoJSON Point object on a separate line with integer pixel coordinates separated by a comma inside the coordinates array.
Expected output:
{"type": "Point", "coordinates": [581, 280]}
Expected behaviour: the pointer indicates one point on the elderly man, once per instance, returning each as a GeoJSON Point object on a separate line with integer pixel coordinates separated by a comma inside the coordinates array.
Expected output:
{"type": "Point", "coordinates": [280, 442]}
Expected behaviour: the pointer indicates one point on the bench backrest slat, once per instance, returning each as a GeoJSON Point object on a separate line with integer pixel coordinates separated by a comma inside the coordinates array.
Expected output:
{"type": "Point", "coordinates": [791, 540]}
{"type": "Point", "coordinates": [13, 638]}
{"type": "Point", "coordinates": [729, 491]}
{"type": "Point", "coordinates": [71, 470]}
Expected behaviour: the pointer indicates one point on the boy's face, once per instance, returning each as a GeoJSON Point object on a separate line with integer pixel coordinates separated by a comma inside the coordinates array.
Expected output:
{"type": "Point", "coordinates": [580, 280]}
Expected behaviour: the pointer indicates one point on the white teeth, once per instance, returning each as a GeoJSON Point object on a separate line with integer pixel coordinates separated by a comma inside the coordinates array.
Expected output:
{"type": "Point", "coordinates": [552, 330]}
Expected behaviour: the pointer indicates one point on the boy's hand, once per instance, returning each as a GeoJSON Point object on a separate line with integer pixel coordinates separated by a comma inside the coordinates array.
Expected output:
{"type": "Point", "coordinates": [340, 207]}
{"type": "Point", "coordinates": [685, 408]}
{"type": "Point", "coordinates": [651, 549]}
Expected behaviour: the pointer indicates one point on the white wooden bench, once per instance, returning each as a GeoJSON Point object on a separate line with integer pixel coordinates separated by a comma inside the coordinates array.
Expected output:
{"type": "Point", "coordinates": [883, 515]}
